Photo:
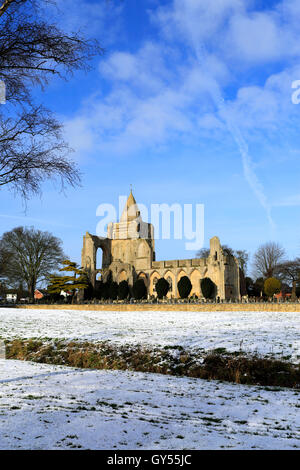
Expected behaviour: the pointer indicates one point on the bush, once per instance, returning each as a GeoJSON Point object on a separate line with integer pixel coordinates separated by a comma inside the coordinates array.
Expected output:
{"type": "Point", "coordinates": [105, 290]}
{"type": "Point", "coordinates": [139, 290]}
{"type": "Point", "coordinates": [98, 290]}
{"type": "Point", "coordinates": [272, 286]}
{"type": "Point", "coordinates": [113, 290]}
{"type": "Point", "coordinates": [162, 287]}
{"type": "Point", "coordinates": [56, 298]}
{"type": "Point", "coordinates": [208, 288]}
{"type": "Point", "coordinates": [123, 290]}
{"type": "Point", "coordinates": [184, 286]}
{"type": "Point", "coordinates": [89, 292]}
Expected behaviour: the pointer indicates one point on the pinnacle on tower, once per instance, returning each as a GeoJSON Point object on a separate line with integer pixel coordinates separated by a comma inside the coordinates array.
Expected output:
{"type": "Point", "coordinates": [131, 210]}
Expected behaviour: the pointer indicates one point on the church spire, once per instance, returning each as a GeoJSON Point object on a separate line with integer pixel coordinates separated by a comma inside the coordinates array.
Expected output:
{"type": "Point", "coordinates": [131, 210]}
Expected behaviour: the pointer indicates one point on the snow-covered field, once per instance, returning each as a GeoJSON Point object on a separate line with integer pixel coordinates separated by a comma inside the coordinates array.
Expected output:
{"type": "Point", "coordinates": [49, 407]}
{"type": "Point", "coordinates": [275, 333]}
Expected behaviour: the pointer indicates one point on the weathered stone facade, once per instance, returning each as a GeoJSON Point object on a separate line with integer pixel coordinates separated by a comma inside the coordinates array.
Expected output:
{"type": "Point", "coordinates": [129, 254]}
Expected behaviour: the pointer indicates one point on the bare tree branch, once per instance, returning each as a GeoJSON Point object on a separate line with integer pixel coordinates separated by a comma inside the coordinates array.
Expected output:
{"type": "Point", "coordinates": [33, 255]}
{"type": "Point", "coordinates": [267, 258]}
{"type": "Point", "coordinates": [32, 50]}
{"type": "Point", "coordinates": [5, 5]}
{"type": "Point", "coordinates": [289, 271]}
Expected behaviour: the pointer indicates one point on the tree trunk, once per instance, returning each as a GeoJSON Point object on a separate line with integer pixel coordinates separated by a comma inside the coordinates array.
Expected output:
{"type": "Point", "coordinates": [294, 291]}
{"type": "Point", "coordinates": [31, 289]}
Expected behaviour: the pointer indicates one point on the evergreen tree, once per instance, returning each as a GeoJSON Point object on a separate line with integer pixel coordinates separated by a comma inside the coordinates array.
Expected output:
{"type": "Point", "coordinates": [105, 290]}
{"type": "Point", "coordinates": [184, 286]}
{"type": "Point", "coordinates": [79, 279]}
{"type": "Point", "coordinates": [113, 290]}
{"type": "Point", "coordinates": [162, 287]}
{"type": "Point", "coordinates": [139, 289]}
{"type": "Point", "coordinates": [208, 288]}
{"type": "Point", "coordinates": [123, 290]}
{"type": "Point", "coordinates": [56, 284]}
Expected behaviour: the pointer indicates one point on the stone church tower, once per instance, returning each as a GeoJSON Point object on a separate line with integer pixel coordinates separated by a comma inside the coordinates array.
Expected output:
{"type": "Point", "coordinates": [129, 254]}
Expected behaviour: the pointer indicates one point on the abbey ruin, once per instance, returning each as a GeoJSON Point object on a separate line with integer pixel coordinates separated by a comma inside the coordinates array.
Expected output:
{"type": "Point", "coordinates": [129, 254]}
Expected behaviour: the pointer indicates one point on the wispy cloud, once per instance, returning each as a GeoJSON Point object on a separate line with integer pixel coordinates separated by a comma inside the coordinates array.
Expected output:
{"type": "Point", "coordinates": [175, 88]}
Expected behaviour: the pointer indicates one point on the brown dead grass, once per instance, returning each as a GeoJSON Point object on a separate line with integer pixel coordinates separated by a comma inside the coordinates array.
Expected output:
{"type": "Point", "coordinates": [235, 367]}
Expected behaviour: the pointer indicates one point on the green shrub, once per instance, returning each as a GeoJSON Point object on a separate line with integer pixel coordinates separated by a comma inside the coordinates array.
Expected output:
{"type": "Point", "coordinates": [272, 286]}
{"type": "Point", "coordinates": [162, 287]}
{"type": "Point", "coordinates": [123, 290]}
{"type": "Point", "coordinates": [139, 290]}
{"type": "Point", "coordinates": [184, 286]}
{"type": "Point", "coordinates": [208, 288]}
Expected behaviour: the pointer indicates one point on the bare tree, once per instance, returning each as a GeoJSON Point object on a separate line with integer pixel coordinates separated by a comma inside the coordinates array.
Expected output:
{"type": "Point", "coordinates": [266, 259]}
{"type": "Point", "coordinates": [203, 253]}
{"type": "Point", "coordinates": [241, 255]}
{"type": "Point", "coordinates": [32, 51]}
{"type": "Point", "coordinates": [33, 255]}
{"type": "Point", "coordinates": [289, 271]}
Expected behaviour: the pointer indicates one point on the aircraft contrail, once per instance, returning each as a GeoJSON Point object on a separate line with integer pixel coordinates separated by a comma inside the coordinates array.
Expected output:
{"type": "Point", "coordinates": [234, 130]}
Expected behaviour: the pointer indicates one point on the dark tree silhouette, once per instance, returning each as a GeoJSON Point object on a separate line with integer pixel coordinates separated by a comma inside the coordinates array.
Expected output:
{"type": "Point", "coordinates": [123, 290]}
{"type": "Point", "coordinates": [139, 289]}
{"type": "Point", "coordinates": [208, 288]}
{"type": "Point", "coordinates": [113, 290]}
{"type": "Point", "coordinates": [184, 286]}
{"type": "Point", "coordinates": [162, 287]}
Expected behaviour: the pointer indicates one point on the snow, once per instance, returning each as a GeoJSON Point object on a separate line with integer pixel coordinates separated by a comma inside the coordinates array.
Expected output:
{"type": "Point", "coordinates": [55, 407]}
{"type": "Point", "coordinates": [276, 333]}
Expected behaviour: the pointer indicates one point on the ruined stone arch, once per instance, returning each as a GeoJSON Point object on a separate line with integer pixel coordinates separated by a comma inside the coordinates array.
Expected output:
{"type": "Point", "coordinates": [91, 243]}
{"type": "Point", "coordinates": [153, 279]}
{"type": "Point", "coordinates": [145, 278]}
{"type": "Point", "coordinates": [123, 276]}
{"type": "Point", "coordinates": [170, 277]}
{"type": "Point", "coordinates": [195, 279]}
{"type": "Point", "coordinates": [181, 274]}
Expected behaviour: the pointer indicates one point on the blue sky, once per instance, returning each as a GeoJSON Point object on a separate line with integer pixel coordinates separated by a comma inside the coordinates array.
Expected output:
{"type": "Point", "coordinates": [191, 103]}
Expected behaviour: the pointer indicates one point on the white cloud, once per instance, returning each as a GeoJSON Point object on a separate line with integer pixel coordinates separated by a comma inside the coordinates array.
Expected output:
{"type": "Point", "coordinates": [120, 66]}
{"type": "Point", "coordinates": [173, 88]}
{"type": "Point", "coordinates": [79, 133]}
{"type": "Point", "coordinates": [195, 20]}
{"type": "Point", "coordinates": [145, 70]}
{"type": "Point", "coordinates": [148, 104]}
{"type": "Point", "coordinates": [100, 19]}
{"type": "Point", "coordinates": [254, 37]}
{"type": "Point", "coordinates": [268, 107]}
